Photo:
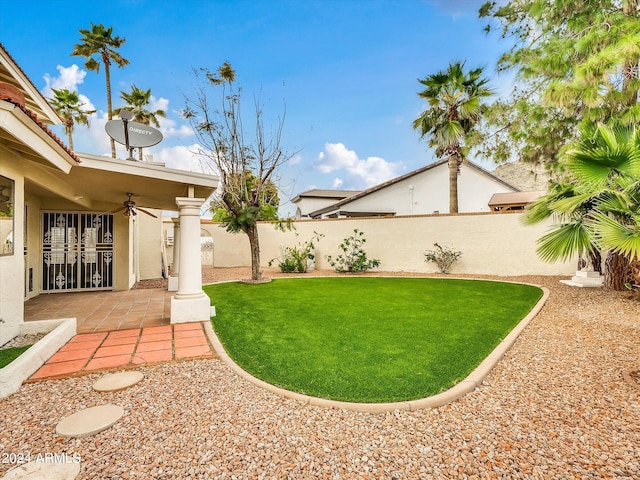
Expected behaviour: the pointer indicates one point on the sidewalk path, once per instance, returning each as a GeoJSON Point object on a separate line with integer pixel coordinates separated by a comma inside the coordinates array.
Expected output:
{"type": "Point", "coordinates": [127, 349]}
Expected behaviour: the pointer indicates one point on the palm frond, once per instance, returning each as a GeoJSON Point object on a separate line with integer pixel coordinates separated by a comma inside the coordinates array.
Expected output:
{"type": "Point", "coordinates": [564, 242]}
{"type": "Point", "coordinates": [623, 239]}
{"type": "Point", "coordinates": [568, 205]}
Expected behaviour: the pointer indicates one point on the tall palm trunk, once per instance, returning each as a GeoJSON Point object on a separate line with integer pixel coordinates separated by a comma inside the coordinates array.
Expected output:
{"type": "Point", "coordinates": [254, 245]}
{"type": "Point", "coordinates": [69, 128]}
{"type": "Point", "coordinates": [635, 274]}
{"type": "Point", "coordinates": [617, 272]}
{"type": "Point", "coordinates": [107, 74]}
{"type": "Point", "coordinates": [453, 184]}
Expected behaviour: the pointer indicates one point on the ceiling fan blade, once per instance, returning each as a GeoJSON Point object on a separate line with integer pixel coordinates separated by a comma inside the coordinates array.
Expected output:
{"type": "Point", "coordinates": [118, 210]}
{"type": "Point", "coordinates": [148, 213]}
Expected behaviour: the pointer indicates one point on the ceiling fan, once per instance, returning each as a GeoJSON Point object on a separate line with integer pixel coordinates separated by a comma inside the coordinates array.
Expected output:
{"type": "Point", "coordinates": [130, 210]}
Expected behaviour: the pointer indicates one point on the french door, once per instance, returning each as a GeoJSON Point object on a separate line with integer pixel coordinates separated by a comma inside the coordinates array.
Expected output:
{"type": "Point", "coordinates": [77, 251]}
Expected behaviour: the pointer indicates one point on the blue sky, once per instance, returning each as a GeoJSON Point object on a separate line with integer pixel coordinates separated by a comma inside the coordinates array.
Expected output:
{"type": "Point", "coordinates": [347, 71]}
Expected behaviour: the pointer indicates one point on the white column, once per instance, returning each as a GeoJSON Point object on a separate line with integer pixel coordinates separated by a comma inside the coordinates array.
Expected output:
{"type": "Point", "coordinates": [175, 268]}
{"type": "Point", "coordinates": [190, 303]}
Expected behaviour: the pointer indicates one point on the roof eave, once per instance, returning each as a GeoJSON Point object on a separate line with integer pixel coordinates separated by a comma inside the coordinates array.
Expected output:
{"type": "Point", "coordinates": [27, 131]}
{"type": "Point", "coordinates": [27, 85]}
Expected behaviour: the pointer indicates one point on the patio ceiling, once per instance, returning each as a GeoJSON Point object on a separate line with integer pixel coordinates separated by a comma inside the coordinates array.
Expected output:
{"type": "Point", "coordinates": [102, 183]}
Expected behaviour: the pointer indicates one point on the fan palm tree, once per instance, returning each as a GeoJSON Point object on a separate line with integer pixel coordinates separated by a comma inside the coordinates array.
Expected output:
{"type": "Point", "coordinates": [137, 101]}
{"type": "Point", "coordinates": [455, 108]}
{"type": "Point", "coordinates": [101, 42]}
{"type": "Point", "coordinates": [598, 204]}
{"type": "Point", "coordinates": [67, 105]}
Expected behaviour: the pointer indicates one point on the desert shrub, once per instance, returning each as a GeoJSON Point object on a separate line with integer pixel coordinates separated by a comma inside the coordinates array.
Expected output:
{"type": "Point", "coordinates": [442, 256]}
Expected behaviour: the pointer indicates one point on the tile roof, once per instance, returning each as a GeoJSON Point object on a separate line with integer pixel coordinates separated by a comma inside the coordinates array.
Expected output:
{"type": "Point", "coordinates": [32, 115]}
{"type": "Point", "coordinates": [26, 77]}
{"type": "Point", "coordinates": [46, 129]}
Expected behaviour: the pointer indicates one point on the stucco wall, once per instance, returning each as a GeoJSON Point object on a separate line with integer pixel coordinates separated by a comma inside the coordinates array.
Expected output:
{"type": "Point", "coordinates": [497, 244]}
{"type": "Point", "coordinates": [149, 245]}
{"type": "Point", "coordinates": [12, 266]}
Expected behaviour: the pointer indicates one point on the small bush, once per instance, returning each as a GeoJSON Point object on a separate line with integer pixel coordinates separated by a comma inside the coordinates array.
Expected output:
{"type": "Point", "coordinates": [296, 259]}
{"type": "Point", "coordinates": [354, 258]}
{"type": "Point", "coordinates": [442, 256]}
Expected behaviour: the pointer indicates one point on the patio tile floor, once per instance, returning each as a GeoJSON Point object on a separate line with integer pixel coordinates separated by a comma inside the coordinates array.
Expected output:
{"type": "Point", "coordinates": [89, 352]}
{"type": "Point", "coordinates": [120, 329]}
{"type": "Point", "coordinates": [104, 311]}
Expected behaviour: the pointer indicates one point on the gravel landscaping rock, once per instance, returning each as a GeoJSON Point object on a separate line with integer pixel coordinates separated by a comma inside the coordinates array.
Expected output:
{"type": "Point", "coordinates": [23, 340]}
{"type": "Point", "coordinates": [555, 407]}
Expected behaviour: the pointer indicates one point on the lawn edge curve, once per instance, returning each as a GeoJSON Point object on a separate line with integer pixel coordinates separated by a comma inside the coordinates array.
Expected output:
{"type": "Point", "coordinates": [473, 380]}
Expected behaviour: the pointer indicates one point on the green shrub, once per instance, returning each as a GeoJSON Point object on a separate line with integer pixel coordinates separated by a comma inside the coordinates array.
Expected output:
{"type": "Point", "coordinates": [296, 258]}
{"type": "Point", "coordinates": [442, 256]}
{"type": "Point", "coordinates": [354, 258]}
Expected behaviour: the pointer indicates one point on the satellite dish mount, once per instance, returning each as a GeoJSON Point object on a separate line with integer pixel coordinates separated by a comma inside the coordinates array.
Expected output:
{"type": "Point", "coordinates": [132, 134]}
{"type": "Point", "coordinates": [125, 116]}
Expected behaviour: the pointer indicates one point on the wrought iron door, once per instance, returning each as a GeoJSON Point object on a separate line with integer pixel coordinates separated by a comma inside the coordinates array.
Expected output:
{"type": "Point", "coordinates": [77, 251]}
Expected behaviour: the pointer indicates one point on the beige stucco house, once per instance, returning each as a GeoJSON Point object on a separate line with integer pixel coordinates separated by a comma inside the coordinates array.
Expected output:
{"type": "Point", "coordinates": [420, 192]}
{"type": "Point", "coordinates": [316, 199]}
{"type": "Point", "coordinates": [58, 229]}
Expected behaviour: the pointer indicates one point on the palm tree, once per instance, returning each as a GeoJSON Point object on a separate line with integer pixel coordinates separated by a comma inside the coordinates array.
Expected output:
{"type": "Point", "coordinates": [67, 105]}
{"type": "Point", "coordinates": [137, 101]}
{"type": "Point", "coordinates": [455, 108]}
{"type": "Point", "coordinates": [99, 41]}
{"type": "Point", "coordinates": [597, 205]}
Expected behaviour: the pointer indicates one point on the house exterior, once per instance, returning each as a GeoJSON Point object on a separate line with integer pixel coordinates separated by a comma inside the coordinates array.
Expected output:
{"type": "Point", "coordinates": [316, 199]}
{"type": "Point", "coordinates": [58, 225]}
{"type": "Point", "coordinates": [422, 191]}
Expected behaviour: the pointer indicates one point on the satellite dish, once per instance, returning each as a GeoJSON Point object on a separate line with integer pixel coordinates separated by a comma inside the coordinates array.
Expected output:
{"type": "Point", "coordinates": [133, 134]}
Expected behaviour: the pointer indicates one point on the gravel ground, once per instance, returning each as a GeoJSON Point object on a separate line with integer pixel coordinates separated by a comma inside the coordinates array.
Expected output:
{"type": "Point", "coordinates": [555, 407]}
{"type": "Point", "coordinates": [22, 340]}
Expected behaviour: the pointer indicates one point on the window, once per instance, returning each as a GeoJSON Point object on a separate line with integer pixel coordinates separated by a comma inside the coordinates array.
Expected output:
{"type": "Point", "coordinates": [7, 188]}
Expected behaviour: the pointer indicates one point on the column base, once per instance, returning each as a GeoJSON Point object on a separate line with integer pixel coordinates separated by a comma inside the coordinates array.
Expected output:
{"type": "Point", "coordinates": [194, 309]}
{"type": "Point", "coordinates": [173, 284]}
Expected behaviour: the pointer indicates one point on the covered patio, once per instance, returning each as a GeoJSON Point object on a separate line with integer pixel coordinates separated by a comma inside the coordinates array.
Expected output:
{"type": "Point", "coordinates": [104, 311]}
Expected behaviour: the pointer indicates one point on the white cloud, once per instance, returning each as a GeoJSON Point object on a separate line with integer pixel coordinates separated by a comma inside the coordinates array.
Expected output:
{"type": "Point", "coordinates": [295, 160]}
{"type": "Point", "coordinates": [183, 157]}
{"type": "Point", "coordinates": [158, 104]}
{"type": "Point", "coordinates": [337, 183]}
{"type": "Point", "coordinates": [170, 128]}
{"type": "Point", "coordinates": [100, 141]}
{"type": "Point", "coordinates": [360, 173]}
{"type": "Point", "coordinates": [69, 78]}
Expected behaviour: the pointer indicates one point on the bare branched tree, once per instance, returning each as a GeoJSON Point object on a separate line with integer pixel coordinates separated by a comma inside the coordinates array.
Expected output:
{"type": "Point", "coordinates": [246, 163]}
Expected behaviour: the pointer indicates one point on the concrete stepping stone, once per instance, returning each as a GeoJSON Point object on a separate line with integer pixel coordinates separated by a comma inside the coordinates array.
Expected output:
{"type": "Point", "coordinates": [89, 421]}
{"type": "Point", "coordinates": [45, 470]}
{"type": "Point", "coordinates": [117, 381]}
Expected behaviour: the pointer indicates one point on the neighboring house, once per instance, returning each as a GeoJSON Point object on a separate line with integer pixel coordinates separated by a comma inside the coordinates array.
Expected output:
{"type": "Point", "coordinates": [59, 230]}
{"type": "Point", "coordinates": [315, 199]}
{"type": "Point", "coordinates": [422, 191]}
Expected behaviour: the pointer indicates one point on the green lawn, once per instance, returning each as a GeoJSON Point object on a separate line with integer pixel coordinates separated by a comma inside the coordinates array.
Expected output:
{"type": "Point", "coordinates": [8, 355]}
{"type": "Point", "coordinates": [366, 339]}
